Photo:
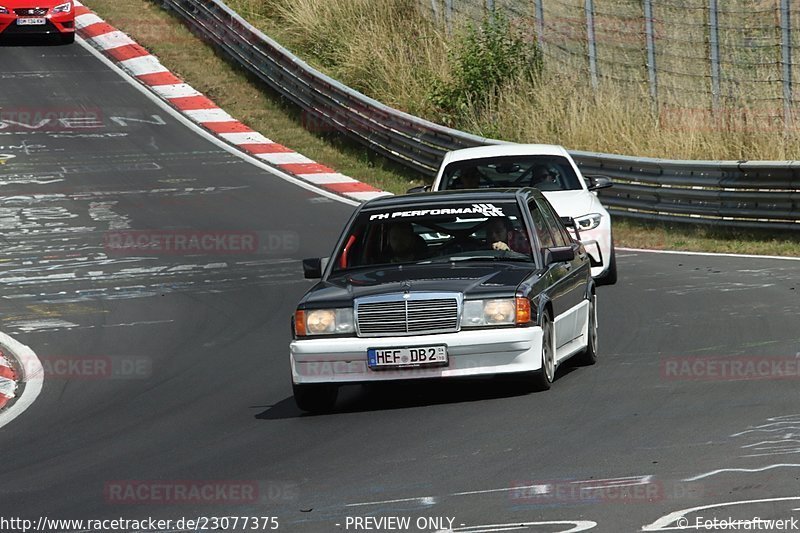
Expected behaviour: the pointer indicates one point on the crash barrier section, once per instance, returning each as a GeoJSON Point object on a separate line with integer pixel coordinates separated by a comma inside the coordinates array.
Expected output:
{"type": "Point", "coordinates": [743, 194]}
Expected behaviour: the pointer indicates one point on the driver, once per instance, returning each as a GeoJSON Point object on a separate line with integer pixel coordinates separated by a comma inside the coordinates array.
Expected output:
{"type": "Point", "coordinates": [470, 178]}
{"type": "Point", "coordinates": [497, 232]}
{"type": "Point", "coordinates": [543, 175]}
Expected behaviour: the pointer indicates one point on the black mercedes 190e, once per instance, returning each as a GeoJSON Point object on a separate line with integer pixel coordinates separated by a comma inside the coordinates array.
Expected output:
{"type": "Point", "coordinates": [444, 285]}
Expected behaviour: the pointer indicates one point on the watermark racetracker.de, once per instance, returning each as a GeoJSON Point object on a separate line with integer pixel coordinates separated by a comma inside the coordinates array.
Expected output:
{"type": "Point", "coordinates": [199, 242]}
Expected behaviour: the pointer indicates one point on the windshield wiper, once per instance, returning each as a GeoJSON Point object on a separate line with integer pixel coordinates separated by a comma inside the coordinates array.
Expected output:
{"type": "Point", "coordinates": [482, 258]}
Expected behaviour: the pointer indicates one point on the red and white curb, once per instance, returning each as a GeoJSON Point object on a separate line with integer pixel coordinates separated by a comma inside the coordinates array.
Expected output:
{"type": "Point", "coordinates": [146, 68]}
{"type": "Point", "coordinates": [8, 381]}
{"type": "Point", "coordinates": [21, 378]}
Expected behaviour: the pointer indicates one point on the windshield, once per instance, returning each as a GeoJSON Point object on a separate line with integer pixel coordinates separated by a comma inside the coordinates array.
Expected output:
{"type": "Point", "coordinates": [433, 234]}
{"type": "Point", "coordinates": [545, 172]}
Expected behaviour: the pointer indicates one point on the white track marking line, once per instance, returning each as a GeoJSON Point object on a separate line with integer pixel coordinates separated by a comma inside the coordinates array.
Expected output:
{"type": "Point", "coordinates": [745, 470]}
{"type": "Point", "coordinates": [205, 134]}
{"type": "Point", "coordinates": [425, 500]}
{"type": "Point", "coordinates": [708, 254]}
{"type": "Point", "coordinates": [662, 523]}
{"type": "Point", "coordinates": [577, 526]}
{"type": "Point", "coordinates": [32, 375]}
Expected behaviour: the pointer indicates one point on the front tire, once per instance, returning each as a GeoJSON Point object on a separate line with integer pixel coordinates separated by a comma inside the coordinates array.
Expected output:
{"type": "Point", "coordinates": [68, 38]}
{"type": "Point", "coordinates": [588, 357]}
{"type": "Point", "coordinates": [543, 378]}
{"type": "Point", "coordinates": [316, 398]}
{"type": "Point", "coordinates": [610, 277]}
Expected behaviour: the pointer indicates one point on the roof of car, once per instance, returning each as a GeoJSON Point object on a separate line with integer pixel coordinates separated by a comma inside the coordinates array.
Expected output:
{"type": "Point", "coordinates": [452, 196]}
{"type": "Point", "coordinates": [495, 150]}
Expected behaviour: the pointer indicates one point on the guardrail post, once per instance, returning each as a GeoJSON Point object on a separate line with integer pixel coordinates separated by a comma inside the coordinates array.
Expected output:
{"type": "Point", "coordinates": [539, 10]}
{"type": "Point", "coordinates": [713, 42]}
{"type": "Point", "coordinates": [786, 61]}
{"type": "Point", "coordinates": [435, 10]}
{"type": "Point", "coordinates": [652, 74]}
{"type": "Point", "coordinates": [448, 16]}
{"type": "Point", "coordinates": [591, 43]}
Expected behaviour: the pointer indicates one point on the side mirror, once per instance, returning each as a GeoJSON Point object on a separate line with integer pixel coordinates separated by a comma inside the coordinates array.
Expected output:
{"type": "Point", "coordinates": [419, 188]}
{"type": "Point", "coordinates": [569, 222]}
{"type": "Point", "coordinates": [312, 268]}
{"type": "Point", "coordinates": [560, 254]}
{"type": "Point", "coordinates": [598, 182]}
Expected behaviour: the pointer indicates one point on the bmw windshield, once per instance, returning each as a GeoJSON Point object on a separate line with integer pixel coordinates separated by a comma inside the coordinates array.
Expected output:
{"type": "Point", "coordinates": [545, 172]}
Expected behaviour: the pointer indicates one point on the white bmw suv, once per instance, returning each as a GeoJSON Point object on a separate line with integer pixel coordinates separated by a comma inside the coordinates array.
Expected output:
{"type": "Point", "coordinates": [550, 169]}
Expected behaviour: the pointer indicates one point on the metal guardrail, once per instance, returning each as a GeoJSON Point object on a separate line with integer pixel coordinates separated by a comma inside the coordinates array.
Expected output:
{"type": "Point", "coordinates": [757, 194]}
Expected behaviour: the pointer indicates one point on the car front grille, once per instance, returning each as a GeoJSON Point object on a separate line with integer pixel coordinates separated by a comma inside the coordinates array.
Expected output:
{"type": "Point", "coordinates": [31, 11]}
{"type": "Point", "coordinates": [414, 314]}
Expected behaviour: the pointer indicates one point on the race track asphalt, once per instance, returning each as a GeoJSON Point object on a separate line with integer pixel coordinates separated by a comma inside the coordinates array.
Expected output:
{"type": "Point", "coordinates": [185, 378]}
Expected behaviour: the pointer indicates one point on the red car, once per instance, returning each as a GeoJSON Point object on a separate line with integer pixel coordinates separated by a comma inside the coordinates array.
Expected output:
{"type": "Point", "coordinates": [38, 17]}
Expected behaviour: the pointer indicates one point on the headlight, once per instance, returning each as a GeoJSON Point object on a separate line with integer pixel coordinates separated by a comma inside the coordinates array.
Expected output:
{"type": "Point", "coordinates": [63, 8]}
{"type": "Point", "coordinates": [324, 322]}
{"type": "Point", "coordinates": [3, 11]}
{"type": "Point", "coordinates": [587, 222]}
{"type": "Point", "coordinates": [505, 312]}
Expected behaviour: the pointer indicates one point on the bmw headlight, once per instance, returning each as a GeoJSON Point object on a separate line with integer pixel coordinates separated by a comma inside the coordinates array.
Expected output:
{"type": "Point", "coordinates": [63, 8]}
{"type": "Point", "coordinates": [3, 11]}
{"type": "Point", "coordinates": [587, 222]}
{"type": "Point", "coordinates": [324, 322]}
{"type": "Point", "coordinates": [496, 312]}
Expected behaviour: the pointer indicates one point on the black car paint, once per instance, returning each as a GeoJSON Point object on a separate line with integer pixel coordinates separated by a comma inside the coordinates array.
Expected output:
{"type": "Point", "coordinates": [558, 286]}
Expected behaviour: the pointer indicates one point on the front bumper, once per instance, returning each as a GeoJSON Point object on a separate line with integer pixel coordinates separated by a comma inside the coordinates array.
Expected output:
{"type": "Point", "coordinates": [470, 353]}
{"type": "Point", "coordinates": [597, 242]}
{"type": "Point", "coordinates": [57, 24]}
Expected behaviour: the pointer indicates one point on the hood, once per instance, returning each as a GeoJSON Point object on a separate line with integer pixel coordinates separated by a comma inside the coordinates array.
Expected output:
{"type": "Point", "coordinates": [574, 203]}
{"type": "Point", "coordinates": [475, 281]}
{"type": "Point", "coordinates": [15, 4]}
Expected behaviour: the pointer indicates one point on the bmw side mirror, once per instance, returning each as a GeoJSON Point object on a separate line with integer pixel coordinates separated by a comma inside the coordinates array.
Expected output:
{"type": "Point", "coordinates": [419, 188]}
{"type": "Point", "coordinates": [312, 268]}
{"type": "Point", "coordinates": [599, 182]}
{"type": "Point", "coordinates": [559, 254]}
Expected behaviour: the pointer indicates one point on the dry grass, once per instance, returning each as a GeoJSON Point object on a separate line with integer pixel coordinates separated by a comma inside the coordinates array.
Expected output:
{"type": "Point", "coordinates": [392, 51]}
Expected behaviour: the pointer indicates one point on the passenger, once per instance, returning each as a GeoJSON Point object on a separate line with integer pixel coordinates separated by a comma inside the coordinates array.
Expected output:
{"type": "Point", "coordinates": [406, 246]}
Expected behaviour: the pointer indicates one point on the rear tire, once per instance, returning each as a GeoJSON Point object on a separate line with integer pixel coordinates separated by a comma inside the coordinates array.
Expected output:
{"type": "Point", "coordinates": [542, 379]}
{"type": "Point", "coordinates": [316, 398]}
{"type": "Point", "coordinates": [588, 357]}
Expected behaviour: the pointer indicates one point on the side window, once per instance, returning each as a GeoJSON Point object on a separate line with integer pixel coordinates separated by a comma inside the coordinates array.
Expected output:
{"type": "Point", "coordinates": [560, 235]}
{"type": "Point", "coordinates": [540, 226]}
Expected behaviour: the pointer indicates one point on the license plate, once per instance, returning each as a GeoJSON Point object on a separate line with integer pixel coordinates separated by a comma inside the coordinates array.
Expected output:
{"type": "Point", "coordinates": [380, 358]}
{"type": "Point", "coordinates": [31, 22]}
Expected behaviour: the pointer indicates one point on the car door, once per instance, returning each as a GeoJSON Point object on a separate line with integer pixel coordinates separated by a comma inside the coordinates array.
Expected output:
{"type": "Point", "coordinates": [571, 286]}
